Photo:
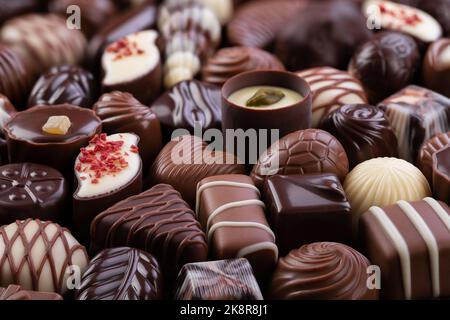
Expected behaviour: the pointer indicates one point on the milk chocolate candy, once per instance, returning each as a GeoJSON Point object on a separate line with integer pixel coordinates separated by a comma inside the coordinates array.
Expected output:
{"type": "Point", "coordinates": [302, 152]}
{"type": "Point", "coordinates": [186, 160]}
{"type": "Point", "coordinates": [121, 274]}
{"type": "Point", "coordinates": [429, 148]}
{"type": "Point", "coordinates": [28, 142]}
{"type": "Point", "coordinates": [157, 221]}
{"type": "Point", "coordinates": [132, 64]}
{"type": "Point", "coordinates": [33, 34]}
{"type": "Point", "coordinates": [121, 112]}
{"type": "Point", "coordinates": [408, 241]}
{"type": "Point", "coordinates": [322, 271]}
{"type": "Point", "coordinates": [229, 206]}
{"type": "Point", "coordinates": [385, 64]}
{"type": "Point", "coordinates": [231, 279]}
{"type": "Point", "coordinates": [416, 114]}
{"type": "Point", "coordinates": [436, 67]}
{"type": "Point", "coordinates": [15, 292]}
{"type": "Point", "coordinates": [441, 174]}
{"type": "Point", "coordinates": [64, 84]}
{"type": "Point", "coordinates": [39, 256]}
{"type": "Point", "coordinates": [363, 130]}
{"type": "Point", "coordinates": [308, 208]}
{"type": "Point", "coordinates": [108, 170]}
{"type": "Point", "coordinates": [32, 191]}
{"type": "Point", "coordinates": [187, 104]}
{"type": "Point", "coordinates": [331, 88]}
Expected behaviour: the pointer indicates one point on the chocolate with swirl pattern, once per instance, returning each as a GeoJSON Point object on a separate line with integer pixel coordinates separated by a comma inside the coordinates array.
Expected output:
{"type": "Point", "coordinates": [228, 62]}
{"type": "Point", "coordinates": [364, 132]}
{"type": "Point", "coordinates": [322, 271]}
{"type": "Point", "coordinates": [121, 274]}
{"type": "Point", "coordinates": [121, 112]}
{"type": "Point", "coordinates": [429, 148]}
{"type": "Point", "coordinates": [157, 221]}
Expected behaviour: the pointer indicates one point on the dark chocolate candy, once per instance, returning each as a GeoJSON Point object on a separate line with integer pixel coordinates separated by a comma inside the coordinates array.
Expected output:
{"type": "Point", "coordinates": [416, 114]}
{"type": "Point", "coordinates": [436, 66]}
{"type": "Point", "coordinates": [385, 64]}
{"type": "Point", "coordinates": [185, 104]}
{"type": "Point", "coordinates": [15, 292]}
{"type": "Point", "coordinates": [257, 23]}
{"type": "Point", "coordinates": [441, 174]}
{"type": "Point", "coordinates": [7, 110]}
{"type": "Point", "coordinates": [121, 112]}
{"type": "Point", "coordinates": [229, 206]}
{"type": "Point", "coordinates": [64, 84]}
{"type": "Point", "coordinates": [231, 279]}
{"type": "Point", "coordinates": [186, 160]}
{"type": "Point", "coordinates": [15, 8]}
{"type": "Point", "coordinates": [409, 243]}
{"type": "Point", "coordinates": [307, 41]}
{"type": "Point", "coordinates": [308, 208]}
{"type": "Point", "coordinates": [363, 130]}
{"type": "Point", "coordinates": [27, 142]}
{"type": "Point", "coordinates": [32, 191]}
{"type": "Point", "coordinates": [429, 148]}
{"type": "Point", "coordinates": [157, 221]}
{"type": "Point", "coordinates": [121, 274]}
{"type": "Point", "coordinates": [301, 152]}
{"type": "Point", "coordinates": [322, 271]}
{"type": "Point", "coordinates": [107, 171]}
{"type": "Point", "coordinates": [228, 62]}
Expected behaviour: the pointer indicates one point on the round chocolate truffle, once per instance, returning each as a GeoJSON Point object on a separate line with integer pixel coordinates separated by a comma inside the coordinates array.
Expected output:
{"type": "Point", "coordinates": [322, 271]}
{"type": "Point", "coordinates": [308, 42]}
{"type": "Point", "coordinates": [64, 84]}
{"type": "Point", "coordinates": [383, 181]}
{"type": "Point", "coordinates": [32, 191]}
{"type": "Point", "coordinates": [302, 152]}
{"type": "Point", "coordinates": [363, 130]}
{"type": "Point", "coordinates": [385, 64]}
{"type": "Point", "coordinates": [436, 67]}
{"type": "Point", "coordinates": [228, 62]}
{"type": "Point", "coordinates": [429, 148]}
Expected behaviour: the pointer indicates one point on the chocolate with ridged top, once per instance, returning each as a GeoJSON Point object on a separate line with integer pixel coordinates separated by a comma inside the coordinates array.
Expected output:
{"type": "Point", "coordinates": [121, 274]}
{"type": "Point", "coordinates": [363, 130]}
{"type": "Point", "coordinates": [157, 221]}
{"type": "Point", "coordinates": [436, 67]}
{"type": "Point", "coordinates": [428, 149]}
{"type": "Point", "coordinates": [322, 271]}
{"type": "Point", "coordinates": [228, 62]}
{"type": "Point", "coordinates": [15, 292]}
{"type": "Point", "coordinates": [64, 84]}
{"type": "Point", "coordinates": [121, 112]}
{"type": "Point", "coordinates": [186, 103]}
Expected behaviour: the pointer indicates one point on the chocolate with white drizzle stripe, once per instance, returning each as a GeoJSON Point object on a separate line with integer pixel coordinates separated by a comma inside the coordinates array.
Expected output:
{"type": "Point", "coordinates": [409, 242]}
{"type": "Point", "coordinates": [229, 206]}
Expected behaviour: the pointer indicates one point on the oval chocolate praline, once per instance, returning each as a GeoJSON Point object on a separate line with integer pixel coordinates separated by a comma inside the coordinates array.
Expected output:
{"type": "Point", "coordinates": [363, 130]}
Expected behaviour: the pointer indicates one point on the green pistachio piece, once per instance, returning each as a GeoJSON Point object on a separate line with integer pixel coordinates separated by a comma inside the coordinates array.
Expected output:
{"type": "Point", "coordinates": [265, 97]}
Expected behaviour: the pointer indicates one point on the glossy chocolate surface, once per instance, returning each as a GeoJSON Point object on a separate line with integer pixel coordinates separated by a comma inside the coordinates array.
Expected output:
{"type": "Point", "coordinates": [429, 148]}
{"type": "Point", "coordinates": [436, 66]}
{"type": "Point", "coordinates": [7, 110]}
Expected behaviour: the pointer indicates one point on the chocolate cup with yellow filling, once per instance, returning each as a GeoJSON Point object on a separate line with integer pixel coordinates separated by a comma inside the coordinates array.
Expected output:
{"type": "Point", "coordinates": [286, 119]}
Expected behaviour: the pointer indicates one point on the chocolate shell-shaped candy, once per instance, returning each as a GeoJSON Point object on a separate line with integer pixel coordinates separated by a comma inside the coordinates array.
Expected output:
{"type": "Point", "coordinates": [40, 256]}
{"type": "Point", "coordinates": [231, 279]}
{"type": "Point", "coordinates": [121, 112]}
{"type": "Point", "coordinates": [363, 130]}
{"type": "Point", "coordinates": [15, 292]}
{"type": "Point", "coordinates": [157, 221]}
{"type": "Point", "coordinates": [301, 152]}
{"type": "Point", "coordinates": [331, 88]}
{"type": "Point", "coordinates": [44, 41]}
{"type": "Point", "coordinates": [256, 23]}
{"type": "Point", "coordinates": [189, 104]}
{"type": "Point", "coordinates": [15, 77]}
{"type": "Point", "coordinates": [108, 170]}
{"type": "Point", "coordinates": [32, 191]}
{"type": "Point", "coordinates": [64, 84]}
{"type": "Point", "coordinates": [228, 62]}
{"type": "Point", "coordinates": [192, 33]}
{"type": "Point", "coordinates": [322, 271]}
{"type": "Point", "coordinates": [436, 67]}
{"type": "Point", "coordinates": [186, 160]}
{"type": "Point", "coordinates": [121, 274]}
{"type": "Point", "coordinates": [429, 148]}
{"type": "Point", "coordinates": [133, 64]}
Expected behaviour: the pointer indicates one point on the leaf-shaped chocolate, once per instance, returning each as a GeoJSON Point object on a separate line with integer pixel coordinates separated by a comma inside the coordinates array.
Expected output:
{"type": "Point", "coordinates": [265, 97]}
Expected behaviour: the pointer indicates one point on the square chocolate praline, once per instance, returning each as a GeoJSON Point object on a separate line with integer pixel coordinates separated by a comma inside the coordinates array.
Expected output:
{"type": "Point", "coordinates": [307, 208]}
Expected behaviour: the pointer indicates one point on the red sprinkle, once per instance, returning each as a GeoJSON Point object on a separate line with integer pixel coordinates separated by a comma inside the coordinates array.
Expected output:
{"type": "Point", "coordinates": [409, 17]}
{"type": "Point", "coordinates": [123, 48]}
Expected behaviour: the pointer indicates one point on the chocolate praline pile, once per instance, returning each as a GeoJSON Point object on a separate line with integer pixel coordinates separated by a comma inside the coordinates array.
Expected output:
{"type": "Point", "coordinates": [224, 150]}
